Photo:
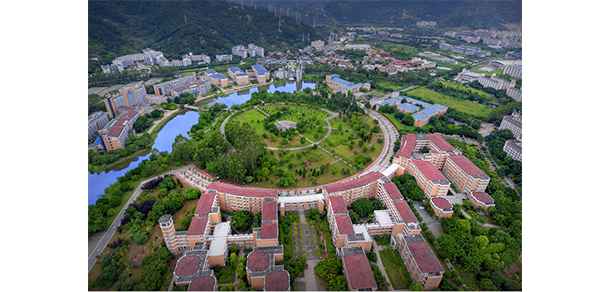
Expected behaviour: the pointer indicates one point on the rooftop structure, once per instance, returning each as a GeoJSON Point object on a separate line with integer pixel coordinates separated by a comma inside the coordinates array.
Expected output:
{"type": "Point", "coordinates": [338, 205]}
{"type": "Point", "coordinates": [429, 112]}
{"type": "Point", "coordinates": [363, 180]}
{"type": "Point", "coordinates": [198, 225]}
{"type": "Point", "coordinates": [357, 270]}
{"type": "Point", "coordinates": [428, 170]}
{"type": "Point", "coordinates": [244, 192]}
{"type": "Point", "coordinates": [344, 224]}
{"type": "Point", "coordinates": [405, 212]}
{"type": "Point", "coordinates": [285, 125]}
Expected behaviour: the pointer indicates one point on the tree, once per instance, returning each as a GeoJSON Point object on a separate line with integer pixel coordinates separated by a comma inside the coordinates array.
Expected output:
{"type": "Point", "coordinates": [416, 287]}
{"type": "Point", "coordinates": [192, 194]}
{"type": "Point", "coordinates": [242, 220]}
{"type": "Point", "coordinates": [140, 238]}
{"type": "Point", "coordinates": [233, 259]}
{"type": "Point", "coordinates": [363, 207]}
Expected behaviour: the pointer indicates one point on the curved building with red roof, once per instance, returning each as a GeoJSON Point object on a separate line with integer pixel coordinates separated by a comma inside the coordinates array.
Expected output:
{"type": "Point", "coordinates": [232, 198]}
{"type": "Point", "coordinates": [442, 208]}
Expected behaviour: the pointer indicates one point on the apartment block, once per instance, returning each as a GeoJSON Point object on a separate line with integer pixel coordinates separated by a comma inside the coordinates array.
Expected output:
{"type": "Point", "coordinates": [495, 82]}
{"type": "Point", "coordinates": [129, 97]}
{"type": "Point", "coordinates": [156, 99]}
{"type": "Point", "coordinates": [97, 121]}
{"type": "Point", "coordinates": [513, 123]}
{"type": "Point", "coordinates": [217, 78]}
{"type": "Point", "coordinates": [513, 71]}
{"type": "Point", "coordinates": [222, 58]}
{"type": "Point", "coordinates": [422, 264]}
{"type": "Point", "coordinates": [233, 199]}
{"type": "Point", "coordinates": [420, 120]}
{"type": "Point", "coordinates": [362, 187]}
{"type": "Point", "coordinates": [514, 93]}
{"type": "Point", "coordinates": [428, 178]}
{"type": "Point", "coordinates": [357, 270]}
{"type": "Point", "coordinates": [464, 174]}
{"type": "Point", "coordinates": [513, 148]}
{"type": "Point", "coordinates": [295, 203]}
{"type": "Point", "coordinates": [413, 145]}
{"type": "Point", "coordinates": [114, 134]}
{"type": "Point", "coordinates": [165, 88]}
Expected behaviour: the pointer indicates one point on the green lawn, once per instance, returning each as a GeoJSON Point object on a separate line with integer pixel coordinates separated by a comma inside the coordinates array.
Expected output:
{"type": "Point", "coordinates": [311, 134]}
{"type": "Point", "coordinates": [396, 269]}
{"type": "Point", "coordinates": [488, 74]}
{"type": "Point", "coordinates": [253, 117]}
{"type": "Point", "coordinates": [465, 106]}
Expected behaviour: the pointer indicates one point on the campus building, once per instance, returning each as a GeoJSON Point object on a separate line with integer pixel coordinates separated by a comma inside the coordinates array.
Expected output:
{"type": "Point", "coordinates": [428, 178]}
{"type": "Point", "coordinates": [413, 146]}
{"type": "Point", "coordinates": [338, 84]}
{"type": "Point", "coordinates": [148, 56]}
{"type": "Point", "coordinates": [165, 88]}
{"type": "Point", "coordinates": [514, 149]}
{"type": "Point", "coordinates": [481, 199]}
{"type": "Point", "coordinates": [513, 123]}
{"type": "Point", "coordinates": [261, 74]}
{"type": "Point", "coordinates": [233, 199]}
{"type": "Point", "coordinates": [496, 82]}
{"type": "Point", "coordinates": [200, 59]}
{"type": "Point", "coordinates": [513, 71]}
{"type": "Point", "coordinates": [514, 93]}
{"type": "Point", "coordinates": [468, 76]}
{"type": "Point", "coordinates": [221, 58]}
{"type": "Point", "coordinates": [464, 174]}
{"type": "Point", "coordinates": [418, 257]}
{"type": "Point", "coordinates": [197, 88]}
{"type": "Point", "coordinates": [442, 208]}
{"type": "Point", "coordinates": [217, 78]}
{"type": "Point", "coordinates": [114, 134]}
{"type": "Point", "coordinates": [357, 270]}
{"type": "Point", "coordinates": [239, 76]}
{"type": "Point", "coordinates": [97, 121]}
{"type": "Point", "coordinates": [130, 97]}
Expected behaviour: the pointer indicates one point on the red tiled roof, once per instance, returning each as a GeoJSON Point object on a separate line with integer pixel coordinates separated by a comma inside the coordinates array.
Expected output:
{"type": "Point", "coordinates": [405, 211]}
{"type": "Point", "coordinates": [440, 142]}
{"type": "Point", "coordinates": [115, 131]}
{"type": "Point", "coordinates": [244, 192]}
{"type": "Point", "coordinates": [198, 225]}
{"type": "Point", "coordinates": [392, 191]}
{"type": "Point", "coordinates": [268, 230]}
{"type": "Point", "coordinates": [441, 203]}
{"type": "Point", "coordinates": [407, 145]}
{"type": "Point", "coordinates": [258, 261]}
{"type": "Point", "coordinates": [338, 204]}
{"type": "Point", "coordinates": [205, 203]}
{"type": "Point", "coordinates": [428, 170]}
{"type": "Point", "coordinates": [424, 257]}
{"type": "Point", "coordinates": [202, 284]}
{"type": "Point", "coordinates": [269, 210]}
{"type": "Point", "coordinates": [483, 197]}
{"type": "Point", "coordinates": [466, 165]}
{"type": "Point", "coordinates": [359, 272]}
{"type": "Point", "coordinates": [187, 266]}
{"type": "Point", "coordinates": [344, 224]}
{"type": "Point", "coordinates": [363, 180]}
{"type": "Point", "coordinates": [183, 87]}
{"type": "Point", "coordinates": [277, 281]}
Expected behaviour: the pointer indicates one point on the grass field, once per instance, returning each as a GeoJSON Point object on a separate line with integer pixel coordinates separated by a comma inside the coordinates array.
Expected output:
{"type": "Point", "coordinates": [488, 74]}
{"type": "Point", "coordinates": [253, 117]}
{"type": "Point", "coordinates": [396, 269]}
{"type": "Point", "coordinates": [465, 106]}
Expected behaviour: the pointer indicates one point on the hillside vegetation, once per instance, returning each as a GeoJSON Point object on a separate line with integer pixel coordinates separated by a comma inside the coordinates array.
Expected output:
{"type": "Point", "coordinates": [212, 27]}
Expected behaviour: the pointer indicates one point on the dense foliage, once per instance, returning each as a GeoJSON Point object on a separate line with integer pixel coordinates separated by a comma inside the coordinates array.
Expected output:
{"type": "Point", "coordinates": [508, 166]}
{"type": "Point", "coordinates": [408, 187]}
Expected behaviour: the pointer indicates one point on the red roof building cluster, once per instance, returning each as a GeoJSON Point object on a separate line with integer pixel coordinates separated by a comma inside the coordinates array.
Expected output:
{"type": "Point", "coordinates": [202, 284]}
{"type": "Point", "coordinates": [344, 224]}
{"type": "Point", "coordinates": [268, 230]}
{"type": "Point", "coordinates": [424, 257]}
{"type": "Point", "coordinates": [441, 143]}
{"type": "Point", "coordinates": [393, 191]}
{"type": "Point", "coordinates": [359, 272]}
{"type": "Point", "coordinates": [244, 192]}
{"type": "Point", "coordinates": [258, 261]}
{"type": "Point", "coordinates": [442, 203]}
{"type": "Point", "coordinates": [408, 147]}
{"type": "Point", "coordinates": [115, 131]}
{"type": "Point", "coordinates": [269, 211]}
{"type": "Point", "coordinates": [205, 203]}
{"type": "Point", "coordinates": [277, 281]}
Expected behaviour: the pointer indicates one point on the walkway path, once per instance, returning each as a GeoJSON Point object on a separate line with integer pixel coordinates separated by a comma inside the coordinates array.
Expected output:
{"type": "Point", "coordinates": [101, 244]}
{"type": "Point", "coordinates": [382, 267]}
{"type": "Point", "coordinates": [486, 224]}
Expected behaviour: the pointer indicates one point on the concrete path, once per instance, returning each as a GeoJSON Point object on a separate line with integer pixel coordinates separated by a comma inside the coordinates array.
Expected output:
{"type": "Point", "coordinates": [101, 244]}
{"type": "Point", "coordinates": [485, 225]}
{"type": "Point", "coordinates": [382, 267]}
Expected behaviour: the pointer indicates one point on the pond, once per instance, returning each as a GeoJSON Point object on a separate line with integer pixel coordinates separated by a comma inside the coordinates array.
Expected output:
{"type": "Point", "coordinates": [242, 96]}
{"type": "Point", "coordinates": [180, 124]}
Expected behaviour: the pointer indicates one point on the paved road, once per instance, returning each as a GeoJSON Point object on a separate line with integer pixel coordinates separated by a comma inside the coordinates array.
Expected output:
{"type": "Point", "coordinates": [112, 229]}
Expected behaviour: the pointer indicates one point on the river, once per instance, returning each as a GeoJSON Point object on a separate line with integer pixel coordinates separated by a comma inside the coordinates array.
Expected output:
{"type": "Point", "coordinates": [180, 124]}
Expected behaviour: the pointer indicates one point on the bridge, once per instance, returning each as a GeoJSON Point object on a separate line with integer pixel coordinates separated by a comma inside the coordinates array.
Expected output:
{"type": "Point", "coordinates": [192, 107]}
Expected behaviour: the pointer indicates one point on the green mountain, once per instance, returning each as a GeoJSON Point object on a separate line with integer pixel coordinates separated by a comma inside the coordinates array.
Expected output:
{"type": "Point", "coordinates": [448, 14]}
{"type": "Point", "coordinates": [177, 27]}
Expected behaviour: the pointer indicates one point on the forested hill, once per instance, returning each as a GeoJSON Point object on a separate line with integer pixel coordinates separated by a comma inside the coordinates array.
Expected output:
{"type": "Point", "coordinates": [447, 13]}
{"type": "Point", "coordinates": [212, 27]}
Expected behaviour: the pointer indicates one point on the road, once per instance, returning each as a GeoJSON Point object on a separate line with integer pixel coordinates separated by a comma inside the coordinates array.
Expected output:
{"type": "Point", "coordinates": [117, 221]}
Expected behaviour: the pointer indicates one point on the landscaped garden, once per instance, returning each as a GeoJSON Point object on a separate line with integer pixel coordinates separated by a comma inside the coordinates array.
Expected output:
{"type": "Point", "coordinates": [305, 240]}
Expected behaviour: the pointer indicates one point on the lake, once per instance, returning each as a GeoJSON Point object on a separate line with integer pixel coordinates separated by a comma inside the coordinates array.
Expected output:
{"type": "Point", "coordinates": [242, 96]}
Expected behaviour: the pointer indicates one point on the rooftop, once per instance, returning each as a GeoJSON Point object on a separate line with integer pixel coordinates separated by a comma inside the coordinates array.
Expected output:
{"type": "Point", "coordinates": [218, 75]}
{"type": "Point", "coordinates": [202, 283]}
{"type": "Point", "coordinates": [118, 126]}
{"type": "Point", "coordinates": [361, 181]}
{"type": "Point", "coordinates": [205, 203]}
{"type": "Point", "coordinates": [440, 106]}
{"type": "Point", "coordinates": [268, 230]}
{"type": "Point", "coordinates": [483, 197]}
{"type": "Point", "coordinates": [408, 107]}
{"type": "Point", "coordinates": [219, 242]}
{"type": "Point", "coordinates": [359, 272]}
{"type": "Point", "coordinates": [408, 144]}
{"type": "Point", "coordinates": [466, 165]}
{"type": "Point", "coordinates": [338, 204]}
{"type": "Point", "coordinates": [393, 191]}
{"type": "Point", "coordinates": [429, 111]}
{"type": "Point", "coordinates": [277, 281]}
{"type": "Point", "coordinates": [269, 211]}
{"type": "Point", "coordinates": [441, 143]}
{"type": "Point", "coordinates": [258, 261]}
{"type": "Point", "coordinates": [234, 69]}
{"type": "Point", "coordinates": [420, 117]}
{"type": "Point", "coordinates": [442, 203]}
{"type": "Point", "coordinates": [382, 217]}
{"type": "Point", "coordinates": [198, 225]}
{"type": "Point", "coordinates": [187, 265]}
{"type": "Point", "coordinates": [423, 255]}
{"type": "Point", "coordinates": [344, 224]}
{"type": "Point", "coordinates": [428, 170]}
{"type": "Point", "coordinates": [244, 192]}
{"type": "Point", "coordinates": [405, 211]}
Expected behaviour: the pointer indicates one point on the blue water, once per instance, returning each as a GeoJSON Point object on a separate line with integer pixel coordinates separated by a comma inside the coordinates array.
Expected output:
{"type": "Point", "coordinates": [240, 97]}
{"type": "Point", "coordinates": [180, 124]}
